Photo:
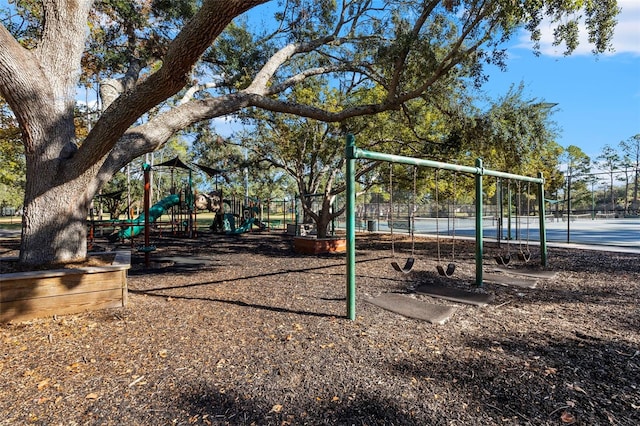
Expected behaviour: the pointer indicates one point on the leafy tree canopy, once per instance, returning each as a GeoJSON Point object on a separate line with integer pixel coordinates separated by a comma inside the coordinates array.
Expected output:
{"type": "Point", "coordinates": [12, 173]}
{"type": "Point", "coordinates": [176, 58]}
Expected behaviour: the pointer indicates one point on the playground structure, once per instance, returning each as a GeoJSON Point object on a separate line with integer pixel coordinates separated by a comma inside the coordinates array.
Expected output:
{"type": "Point", "coordinates": [155, 211]}
{"type": "Point", "coordinates": [232, 215]}
{"type": "Point", "coordinates": [178, 211]}
{"type": "Point", "coordinates": [353, 153]}
{"type": "Point", "coordinates": [179, 204]}
{"type": "Point", "coordinates": [235, 217]}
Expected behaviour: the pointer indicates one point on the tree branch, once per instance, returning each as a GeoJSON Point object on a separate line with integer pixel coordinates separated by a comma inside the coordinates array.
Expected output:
{"type": "Point", "coordinates": [195, 37]}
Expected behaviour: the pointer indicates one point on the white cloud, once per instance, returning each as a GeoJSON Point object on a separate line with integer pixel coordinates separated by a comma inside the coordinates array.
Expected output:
{"type": "Point", "coordinates": [626, 37]}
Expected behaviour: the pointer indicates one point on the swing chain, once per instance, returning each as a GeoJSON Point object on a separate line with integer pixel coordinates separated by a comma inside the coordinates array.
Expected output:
{"type": "Point", "coordinates": [413, 213]}
{"type": "Point", "coordinates": [437, 216]}
{"type": "Point", "coordinates": [390, 215]}
{"type": "Point", "coordinates": [451, 267]}
{"type": "Point", "coordinates": [408, 266]}
{"type": "Point", "coordinates": [453, 227]}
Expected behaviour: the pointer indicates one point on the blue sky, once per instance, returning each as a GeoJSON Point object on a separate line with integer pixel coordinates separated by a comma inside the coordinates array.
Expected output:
{"type": "Point", "coordinates": [598, 97]}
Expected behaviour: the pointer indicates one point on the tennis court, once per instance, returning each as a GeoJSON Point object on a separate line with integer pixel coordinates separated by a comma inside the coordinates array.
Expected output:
{"type": "Point", "coordinates": [580, 229]}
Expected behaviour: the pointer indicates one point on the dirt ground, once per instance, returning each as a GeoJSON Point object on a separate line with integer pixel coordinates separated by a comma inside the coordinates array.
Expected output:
{"type": "Point", "coordinates": [253, 334]}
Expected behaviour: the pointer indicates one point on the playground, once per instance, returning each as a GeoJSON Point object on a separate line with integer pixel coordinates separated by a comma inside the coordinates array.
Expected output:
{"type": "Point", "coordinates": [240, 330]}
{"type": "Point", "coordinates": [230, 325]}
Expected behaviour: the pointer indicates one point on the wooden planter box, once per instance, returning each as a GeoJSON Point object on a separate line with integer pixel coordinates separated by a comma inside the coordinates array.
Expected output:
{"type": "Point", "coordinates": [312, 245]}
{"type": "Point", "coordinates": [33, 294]}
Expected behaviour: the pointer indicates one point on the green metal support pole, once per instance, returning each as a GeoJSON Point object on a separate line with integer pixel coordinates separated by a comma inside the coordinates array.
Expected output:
{"type": "Point", "coordinates": [541, 218]}
{"type": "Point", "coordinates": [351, 227]}
{"type": "Point", "coordinates": [479, 243]}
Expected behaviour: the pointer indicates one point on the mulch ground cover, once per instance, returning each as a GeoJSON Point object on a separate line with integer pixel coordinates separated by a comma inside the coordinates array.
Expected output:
{"type": "Point", "coordinates": [253, 334]}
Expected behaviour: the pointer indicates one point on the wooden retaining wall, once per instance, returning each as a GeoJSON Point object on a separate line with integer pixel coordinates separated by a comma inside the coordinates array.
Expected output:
{"type": "Point", "coordinates": [27, 295]}
{"type": "Point", "coordinates": [312, 245]}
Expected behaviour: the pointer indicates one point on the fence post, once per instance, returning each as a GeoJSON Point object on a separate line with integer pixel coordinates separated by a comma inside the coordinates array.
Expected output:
{"type": "Point", "coordinates": [541, 218]}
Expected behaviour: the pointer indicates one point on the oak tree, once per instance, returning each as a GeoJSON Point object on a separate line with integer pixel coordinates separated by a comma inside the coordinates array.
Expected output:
{"type": "Point", "coordinates": [405, 48]}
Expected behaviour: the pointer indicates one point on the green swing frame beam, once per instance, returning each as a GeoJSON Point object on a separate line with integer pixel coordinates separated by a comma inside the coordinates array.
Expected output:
{"type": "Point", "coordinates": [353, 153]}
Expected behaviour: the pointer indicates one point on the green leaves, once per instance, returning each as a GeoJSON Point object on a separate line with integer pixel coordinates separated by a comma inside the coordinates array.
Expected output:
{"type": "Point", "coordinates": [12, 172]}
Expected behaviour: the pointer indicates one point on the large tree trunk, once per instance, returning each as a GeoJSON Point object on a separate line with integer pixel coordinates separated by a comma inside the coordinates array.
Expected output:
{"type": "Point", "coordinates": [324, 218]}
{"type": "Point", "coordinates": [54, 226]}
{"type": "Point", "coordinates": [40, 87]}
{"type": "Point", "coordinates": [58, 192]}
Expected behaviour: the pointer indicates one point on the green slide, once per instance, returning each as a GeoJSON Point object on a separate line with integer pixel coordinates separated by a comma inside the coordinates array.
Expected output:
{"type": "Point", "coordinates": [246, 227]}
{"type": "Point", "coordinates": [157, 210]}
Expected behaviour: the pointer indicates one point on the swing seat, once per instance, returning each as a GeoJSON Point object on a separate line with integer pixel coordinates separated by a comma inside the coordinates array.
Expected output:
{"type": "Point", "coordinates": [524, 256]}
{"type": "Point", "coordinates": [451, 268]}
{"type": "Point", "coordinates": [408, 266]}
{"type": "Point", "coordinates": [503, 260]}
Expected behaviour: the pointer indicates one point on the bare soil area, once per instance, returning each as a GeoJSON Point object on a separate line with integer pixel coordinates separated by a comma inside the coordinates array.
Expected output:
{"type": "Point", "coordinates": [246, 332]}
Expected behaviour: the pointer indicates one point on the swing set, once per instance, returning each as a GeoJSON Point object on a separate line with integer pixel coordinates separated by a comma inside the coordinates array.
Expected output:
{"type": "Point", "coordinates": [352, 153]}
{"type": "Point", "coordinates": [408, 265]}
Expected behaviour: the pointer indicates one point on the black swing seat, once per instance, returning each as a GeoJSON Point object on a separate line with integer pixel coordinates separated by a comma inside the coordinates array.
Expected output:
{"type": "Point", "coordinates": [451, 268]}
{"type": "Point", "coordinates": [408, 266]}
{"type": "Point", "coordinates": [503, 260]}
{"type": "Point", "coordinates": [524, 256]}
